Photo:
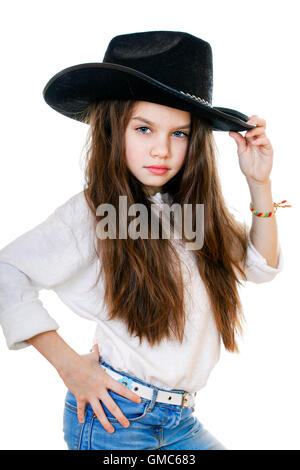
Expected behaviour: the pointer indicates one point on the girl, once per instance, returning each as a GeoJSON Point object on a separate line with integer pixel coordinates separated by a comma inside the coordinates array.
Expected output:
{"type": "Point", "coordinates": [161, 308]}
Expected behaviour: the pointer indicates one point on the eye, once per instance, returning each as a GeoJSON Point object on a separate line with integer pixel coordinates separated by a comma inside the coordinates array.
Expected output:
{"type": "Point", "coordinates": [140, 129]}
{"type": "Point", "coordinates": [183, 133]}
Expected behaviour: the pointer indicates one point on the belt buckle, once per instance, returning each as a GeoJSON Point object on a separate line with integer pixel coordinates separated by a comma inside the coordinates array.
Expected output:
{"type": "Point", "coordinates": [184, 399]}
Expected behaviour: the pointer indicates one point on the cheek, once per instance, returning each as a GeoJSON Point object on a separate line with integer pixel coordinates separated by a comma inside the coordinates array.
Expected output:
{"type": "Point", "coordinates": [129, 147]}
{"type": "Point", "coordinates": [180, 155]}
{"type": "Point", "coordinates": [134, 151]}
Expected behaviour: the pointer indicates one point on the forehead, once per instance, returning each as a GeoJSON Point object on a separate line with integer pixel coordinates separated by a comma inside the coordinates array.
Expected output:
{"type": "Point", "coordinates": [148, 109]}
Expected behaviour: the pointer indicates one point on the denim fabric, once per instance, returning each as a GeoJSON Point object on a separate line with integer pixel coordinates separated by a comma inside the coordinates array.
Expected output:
{"type": "Point", "coordinates": [153, 425]}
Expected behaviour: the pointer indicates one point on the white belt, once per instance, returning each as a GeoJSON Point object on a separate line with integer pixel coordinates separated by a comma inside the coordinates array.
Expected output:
{"type": "Point", "coordinates": [186, 399]}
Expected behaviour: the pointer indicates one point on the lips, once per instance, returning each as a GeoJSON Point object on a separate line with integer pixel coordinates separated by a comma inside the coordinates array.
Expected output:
{"type": "Point", "coordinates": [160, 167]}
{"type": "Point", "coordinates": [157, 170]}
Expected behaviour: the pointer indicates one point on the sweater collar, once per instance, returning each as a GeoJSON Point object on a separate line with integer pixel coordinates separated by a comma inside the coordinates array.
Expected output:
{"type": "Point", "coordinates": [161, 198]}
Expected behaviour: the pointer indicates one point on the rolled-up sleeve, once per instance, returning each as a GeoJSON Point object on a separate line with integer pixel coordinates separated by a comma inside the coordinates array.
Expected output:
{"type": "Point", "coordinates": [256, 267]}
{"type": "Point", "coordinates": [43, 257]}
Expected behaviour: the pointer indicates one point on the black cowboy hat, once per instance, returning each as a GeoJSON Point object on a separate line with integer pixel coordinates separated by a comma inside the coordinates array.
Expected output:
{"type": "Point", "coordinates": [172, 68]}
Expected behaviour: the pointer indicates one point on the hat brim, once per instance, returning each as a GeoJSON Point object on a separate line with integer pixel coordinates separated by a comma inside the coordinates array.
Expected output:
{"type": "Point", "coordinates": [73, 89]}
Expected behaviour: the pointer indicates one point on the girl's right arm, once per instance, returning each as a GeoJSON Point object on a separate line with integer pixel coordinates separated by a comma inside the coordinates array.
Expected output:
{"type": "Point", "coordinates": [84, 377]}
{"type": "Point", "coordinates": [46, 257]}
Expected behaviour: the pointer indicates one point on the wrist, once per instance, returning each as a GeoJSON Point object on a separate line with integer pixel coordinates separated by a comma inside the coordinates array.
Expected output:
{"type": "Point", "coordinates": [261, 196]}
{"type": "Point", "coordinates": [60, 355]}
{"type": "Point", "coordinates": [260, 189]}
{"type": "Point", "coordinates": [68, 364]}
{"type": "Point", "coordinates": [259, 185]}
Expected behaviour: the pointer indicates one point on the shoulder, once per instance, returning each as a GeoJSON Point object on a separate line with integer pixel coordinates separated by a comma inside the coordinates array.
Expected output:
{"type": "Point", "coordinates": [77, 217]}
{"type": "Point", "coordinates": [75, 211]}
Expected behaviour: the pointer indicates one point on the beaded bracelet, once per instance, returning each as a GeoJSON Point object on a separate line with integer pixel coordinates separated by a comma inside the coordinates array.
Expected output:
{"type": "Point", "coordinates": [268, 214]}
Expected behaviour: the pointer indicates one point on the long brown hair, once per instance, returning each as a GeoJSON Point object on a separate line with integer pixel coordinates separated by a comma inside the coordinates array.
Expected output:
{"type": "Point", "coordinates": [143, 279]}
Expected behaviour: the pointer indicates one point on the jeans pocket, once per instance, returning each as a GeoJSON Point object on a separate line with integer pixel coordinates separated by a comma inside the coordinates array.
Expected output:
{"type": "Point", "coordinates": [72, 428]}
{"type": "Point", "coordinates": [133, 411]}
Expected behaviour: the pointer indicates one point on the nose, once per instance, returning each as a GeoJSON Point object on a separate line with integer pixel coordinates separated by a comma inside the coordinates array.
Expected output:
{"type": "Point", "coordinates": [160, 148]}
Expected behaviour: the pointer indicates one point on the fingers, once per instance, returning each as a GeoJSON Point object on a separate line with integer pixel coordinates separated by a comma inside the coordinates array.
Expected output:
{"type": "Point", "coordinates": [257, 136]}
{"type": "Point", "coordinates": [101, 416]}
{"type": "Point", "coordinates": [240, 140]}
{"type": "Point", "coordinates": [255, 132]}
{"type": "Point", "coordinates": [121, 389]}
{"type": "Point", "coordinates": [100, 392]}
{"type": "Point", "coordinates": [95, 349]}
{"type": "Point", "coordinates": [261, 141]}
{"type": "Point", "coordinates": [115, 410]}
{"type": "Point", "coordinates": [81, 410]}
{"type": "Point", "coordinates": [257, 120]}
{"type": "Point", "coordinates": [111, 404]}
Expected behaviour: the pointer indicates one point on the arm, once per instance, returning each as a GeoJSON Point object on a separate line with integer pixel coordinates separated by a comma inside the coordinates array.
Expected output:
{"type": "Point", "coordinates": [255, 153]}
{"type": "Point", "coordinates": [45, 257]}
{"type": "Point", "coordinates": [51, 345]}
{"type": "Point", "coordinates": [263, 233]}
{"type": "Point", "coordinates": [83, 377]}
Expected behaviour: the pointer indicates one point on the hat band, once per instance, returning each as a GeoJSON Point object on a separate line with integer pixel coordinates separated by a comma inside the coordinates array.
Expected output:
{"type": "Point", "coordinates": [197, 98]}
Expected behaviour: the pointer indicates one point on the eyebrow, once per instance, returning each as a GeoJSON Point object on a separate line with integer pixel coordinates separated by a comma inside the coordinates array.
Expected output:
{"type": "Point", "coordinates": [185, 126]}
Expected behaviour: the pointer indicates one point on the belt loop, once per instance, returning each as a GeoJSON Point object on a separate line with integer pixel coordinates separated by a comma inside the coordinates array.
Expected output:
{"type": "Point", "coordinates": [153, 400]}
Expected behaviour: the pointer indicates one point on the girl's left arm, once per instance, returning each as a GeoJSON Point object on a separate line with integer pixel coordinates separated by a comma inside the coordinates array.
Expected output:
{"type": "Point", "coordinates": [255, 154]}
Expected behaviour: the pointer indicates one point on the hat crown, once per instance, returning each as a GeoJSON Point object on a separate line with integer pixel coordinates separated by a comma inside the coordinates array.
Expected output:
{"type": "Point", "coordinates": [177, 59]}
{"type": "Point", "coordinates": [172, 68]}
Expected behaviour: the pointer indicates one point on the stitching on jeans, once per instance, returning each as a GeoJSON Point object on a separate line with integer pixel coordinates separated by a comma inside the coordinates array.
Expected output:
{"type": "Point", "coordinates": [115, 420]}
{"type": "Point", "coordinates": [90, 432]}
{"type": "Point", "coordinates": [80, 434]}
{"type": "Point", "coordinates": [144, 400]}
{"type": "Point", "coordinates": [74, 410]}
{"type": "Point", "coordinates": [70, 407]}
{"type": "Point", "coordinates": [167, 406]}
{"type": "Point", "coordinates": [161, 424]}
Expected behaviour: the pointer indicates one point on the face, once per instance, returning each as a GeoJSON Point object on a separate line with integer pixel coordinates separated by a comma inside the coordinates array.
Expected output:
{"type": "Point", "coordinates": [156, 135]}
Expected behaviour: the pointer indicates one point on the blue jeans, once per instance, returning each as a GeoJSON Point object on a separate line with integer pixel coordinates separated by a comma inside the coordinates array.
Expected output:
{"type": "Point", "coordinates": [153, 425]}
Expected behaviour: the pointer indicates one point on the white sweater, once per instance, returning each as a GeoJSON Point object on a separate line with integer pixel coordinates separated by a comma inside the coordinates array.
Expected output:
{"type": "Point", "coordinates": [58, 254]}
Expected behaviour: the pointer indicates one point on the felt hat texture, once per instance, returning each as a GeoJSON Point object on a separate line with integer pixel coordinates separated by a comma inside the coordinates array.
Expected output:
{"type": "Point", "coordinates": [172, 68]}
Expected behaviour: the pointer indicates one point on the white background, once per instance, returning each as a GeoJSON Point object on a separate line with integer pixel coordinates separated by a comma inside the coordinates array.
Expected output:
{"type": "Point", "coordinates": [251, 400]}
